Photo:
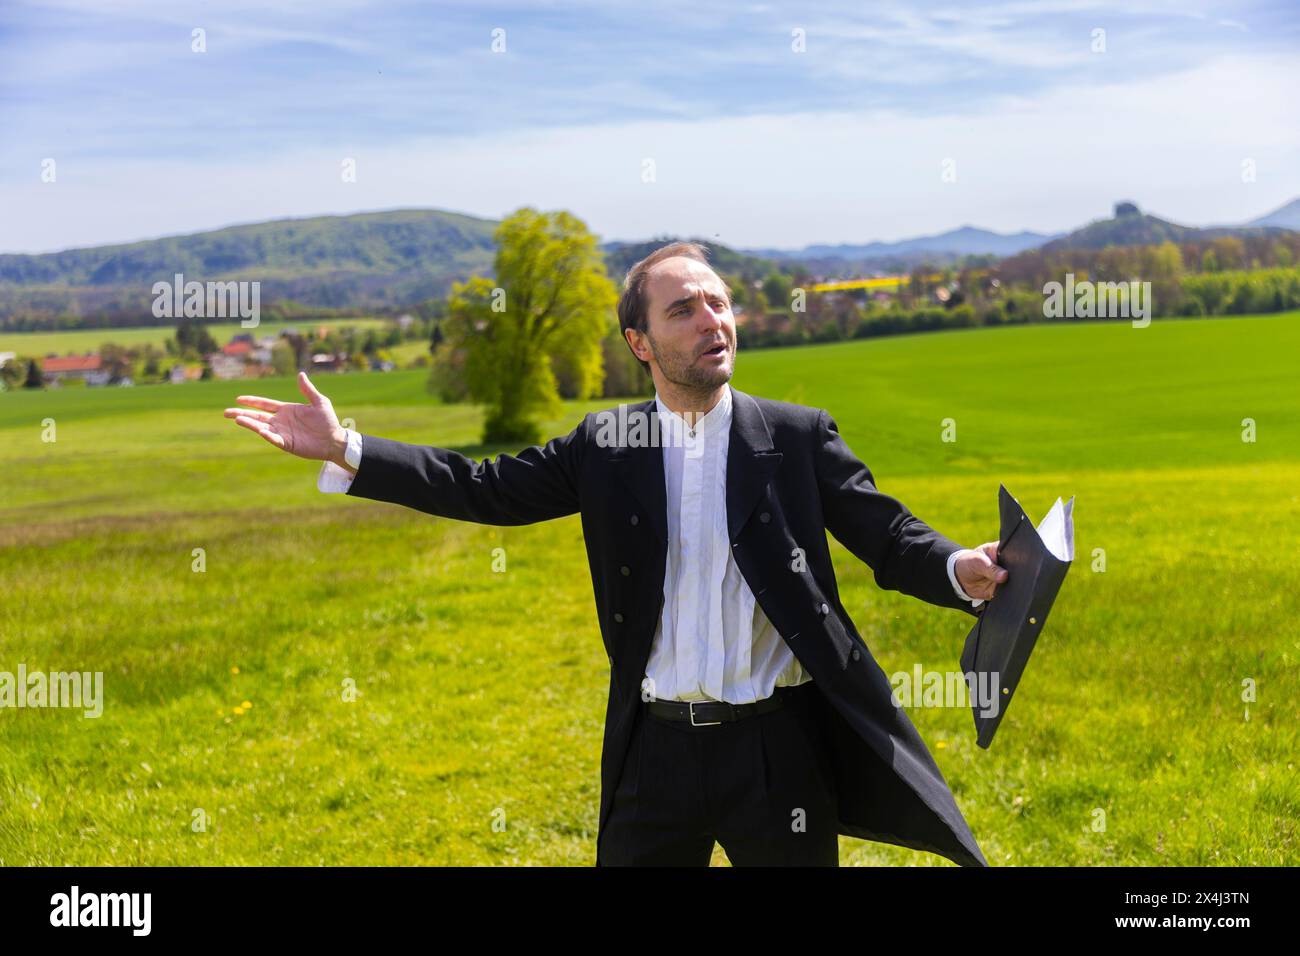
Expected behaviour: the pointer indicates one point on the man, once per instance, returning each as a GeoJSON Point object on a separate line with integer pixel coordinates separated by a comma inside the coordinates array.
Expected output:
{"type": "Point", "coordinates": [743, 705]}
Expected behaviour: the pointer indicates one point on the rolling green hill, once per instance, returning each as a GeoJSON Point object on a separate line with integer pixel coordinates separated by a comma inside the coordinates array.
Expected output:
{"type": "Point", "coordinates": [364, 261]}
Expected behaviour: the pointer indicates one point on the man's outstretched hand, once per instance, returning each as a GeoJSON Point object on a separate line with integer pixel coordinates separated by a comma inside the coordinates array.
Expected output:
{"type": "Point", "coordinates": [978, 572]}
{"type": "Point", "coordinates": [308, 431]}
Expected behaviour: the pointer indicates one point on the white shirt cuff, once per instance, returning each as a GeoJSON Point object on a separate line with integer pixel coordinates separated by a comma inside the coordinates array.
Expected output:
{"type": "Point", "coordinates": [333, 479]}
{"type": "Point", "coordinates": [952, 576]}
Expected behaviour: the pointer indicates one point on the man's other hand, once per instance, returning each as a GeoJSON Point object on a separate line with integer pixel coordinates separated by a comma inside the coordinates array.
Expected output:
{"type": "Point", "coordinates": [978, 572]}
{"type": "Point", "coordinates": [308, 431]}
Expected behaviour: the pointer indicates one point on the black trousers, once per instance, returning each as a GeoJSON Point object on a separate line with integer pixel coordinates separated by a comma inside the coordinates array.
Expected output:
{"type": "Point", "coordinates": [761, 786]}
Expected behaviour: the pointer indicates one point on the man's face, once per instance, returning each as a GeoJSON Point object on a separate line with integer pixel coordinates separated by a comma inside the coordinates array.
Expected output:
{"type": "Point", "coordinates": [691, 331]}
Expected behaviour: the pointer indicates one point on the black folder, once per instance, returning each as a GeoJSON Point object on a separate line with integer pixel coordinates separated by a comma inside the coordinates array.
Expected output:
{"type": "Point", "coordinates": [998, 646]}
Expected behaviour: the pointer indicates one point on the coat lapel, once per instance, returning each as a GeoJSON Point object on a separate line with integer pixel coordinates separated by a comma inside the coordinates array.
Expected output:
{"type": "Point", "coordinates": [751, 460]}
{"type": "Point", "coordinates": [641, 467]}
{"type": "Point", "coordinates": [751, 464]}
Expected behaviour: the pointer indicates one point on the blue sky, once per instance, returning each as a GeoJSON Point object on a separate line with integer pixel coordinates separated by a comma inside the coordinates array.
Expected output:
{"type": "Point", "coordinates": [753, 144]}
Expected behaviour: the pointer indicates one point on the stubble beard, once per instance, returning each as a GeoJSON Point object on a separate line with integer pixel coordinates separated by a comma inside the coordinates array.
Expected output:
{"type": "Point", "coordinates": [686, 374]}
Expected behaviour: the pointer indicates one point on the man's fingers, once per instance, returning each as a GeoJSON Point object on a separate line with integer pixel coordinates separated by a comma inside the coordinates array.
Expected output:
{"type": "Point", "coordinates": [257, 401]}
{"type": "Point", "coordinates": [308, 389]}
{"type": "Point", "coordinates": [258, 416]}
{"type": "Point", "coordinates": [986, 575]}
{"type": "Point", "coordinates": [252, 424]}
{"type": "Point", "coordinates": [275, 439]}
{"type": "Point", "coordinates": [996, 576]}
{"type": "Point", "coordinates": [993, 571]}
{"type": "Point", "coordinates": [262, 429]}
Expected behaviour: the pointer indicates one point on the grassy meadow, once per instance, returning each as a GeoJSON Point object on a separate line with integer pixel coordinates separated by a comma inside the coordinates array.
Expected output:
{"type": "Point", "coordinates": [480, 696]}
{"type": "Point", "coordinates": [81, 341]}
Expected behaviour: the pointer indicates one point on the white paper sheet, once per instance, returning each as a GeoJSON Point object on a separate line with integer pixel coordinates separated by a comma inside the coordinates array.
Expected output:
{"type": "Point", "coordinates": [1057, 530]}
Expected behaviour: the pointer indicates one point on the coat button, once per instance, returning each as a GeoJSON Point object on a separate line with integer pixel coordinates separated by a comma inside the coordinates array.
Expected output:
{"type": "Point", "coordinates": [765, 517]}
{"type": "Point", "coordinates": [625, 570]}
{"type": "Point", "coordinates": [635, 519]}
{"type": "Point", "coordinates": [618, 618]}
{"type": "Point", "coordinates": [856, 655]}
{"type": "Point", "coordinates": [824, 610]}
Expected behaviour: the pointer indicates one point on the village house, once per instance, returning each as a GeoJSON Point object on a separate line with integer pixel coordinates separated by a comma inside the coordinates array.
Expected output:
{"type": "Point", "coordinates": [225, 366]}
{"type": "Point", "coordinates": [262, 351]}
{"type": "Point", "coordinates": [329, 362]}
{"type": "Point", "coordinates": [89, 368]}
{"type": "Point", "coordinates": [241, 357]}
{"type": "Point", "coordinates": [240, 345]}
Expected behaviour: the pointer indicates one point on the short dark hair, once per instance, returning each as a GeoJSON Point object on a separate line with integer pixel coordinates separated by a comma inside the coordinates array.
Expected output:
{"type": "Point", "coordinates": [633, 307]}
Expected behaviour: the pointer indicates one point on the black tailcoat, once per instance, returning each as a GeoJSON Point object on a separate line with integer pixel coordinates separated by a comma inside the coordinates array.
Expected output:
{"type": "Point", "coordinates": [790, 479]}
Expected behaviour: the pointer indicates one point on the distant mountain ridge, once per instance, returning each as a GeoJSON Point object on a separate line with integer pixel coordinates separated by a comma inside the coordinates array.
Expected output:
{"type": "Point", "coordinates": [1131, 227]}
{"type": "Point", "coordinates": [963, 241]}
{"type": "Point", "coordinates": [968, 240]}
{"type": "Point", "coordinates": [1284, 217]}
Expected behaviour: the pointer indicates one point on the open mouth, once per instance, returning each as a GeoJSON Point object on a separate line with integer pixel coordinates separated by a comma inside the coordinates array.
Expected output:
{"type": "Point", "coordinates": [716, 350]}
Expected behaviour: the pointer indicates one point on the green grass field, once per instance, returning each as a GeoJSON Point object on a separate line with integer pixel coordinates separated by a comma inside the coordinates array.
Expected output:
{"type": "Point", "coordinates": [80, 341]}
{"type": "Point", "coordinates": [482, 694]}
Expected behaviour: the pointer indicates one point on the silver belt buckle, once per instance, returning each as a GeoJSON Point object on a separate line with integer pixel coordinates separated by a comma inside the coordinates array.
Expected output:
{"type": "Point", "coordinates": [691, 707]}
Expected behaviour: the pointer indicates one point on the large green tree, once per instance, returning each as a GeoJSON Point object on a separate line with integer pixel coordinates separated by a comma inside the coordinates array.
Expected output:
{"type": "Point", "coordinates": [548, 307]}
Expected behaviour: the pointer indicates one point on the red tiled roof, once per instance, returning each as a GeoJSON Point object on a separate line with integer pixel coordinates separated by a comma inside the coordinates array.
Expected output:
{"type": "Point", "coordinates": [238, 348]}
{"type": "Point", "coordinates": [72, 363]}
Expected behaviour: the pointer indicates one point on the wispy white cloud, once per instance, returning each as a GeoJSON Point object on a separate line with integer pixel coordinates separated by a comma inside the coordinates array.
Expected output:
{"type": "Point", "coordinates": [753, 140]}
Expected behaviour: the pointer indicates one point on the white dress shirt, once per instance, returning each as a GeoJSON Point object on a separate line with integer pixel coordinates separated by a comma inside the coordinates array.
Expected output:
{"type": "Point", "coordinates": [712, 641]}
{"type": "Point", "coordinates": [332, 478]}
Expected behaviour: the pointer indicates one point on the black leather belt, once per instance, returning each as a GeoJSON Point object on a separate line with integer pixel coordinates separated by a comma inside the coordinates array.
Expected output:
{"type": "Point", "coordinates": [704, 713]}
